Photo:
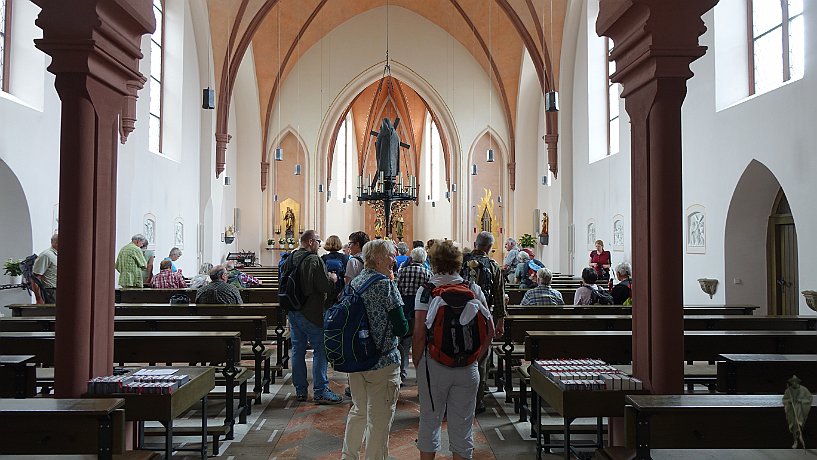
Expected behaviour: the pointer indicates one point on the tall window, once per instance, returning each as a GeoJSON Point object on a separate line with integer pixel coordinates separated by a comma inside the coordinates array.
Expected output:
{"type": "Point", "coordinates": [613, 90]}
{"type": "Point", "coordinates": [157, 62]}
{"type": "Point", "coordinates": [5, 39]}
{"type": "Point", "coordinates": [432, 152]}
{"type": "Point", "coordinates": [776, 51]}
{"type": "Point", "coordinates": [344, 164]}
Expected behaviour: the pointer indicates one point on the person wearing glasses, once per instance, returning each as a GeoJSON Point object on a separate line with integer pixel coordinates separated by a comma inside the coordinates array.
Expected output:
{"type": "Point", "coordinates": [307, 324]}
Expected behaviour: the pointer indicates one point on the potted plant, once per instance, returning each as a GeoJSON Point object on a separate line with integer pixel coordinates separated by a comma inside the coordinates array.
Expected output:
{"type": "Point", "coordinates": [527, 241]}
{"type": "Point", "coordinates": [291, 243]}
{"type": "Point", "coordinates": [270, 243]}
{"type": "Point", "coordinates": [13, 270]}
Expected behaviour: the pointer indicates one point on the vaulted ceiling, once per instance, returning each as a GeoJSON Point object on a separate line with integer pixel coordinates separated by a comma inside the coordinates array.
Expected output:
{"type": "Point", "coordinates": [514, 27]}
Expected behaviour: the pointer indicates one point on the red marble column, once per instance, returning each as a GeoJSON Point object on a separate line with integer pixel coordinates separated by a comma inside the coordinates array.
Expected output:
{"type": "Point", "coordinates": [655, 42]}
{"type": "Point", "coordinates": [95, 50]}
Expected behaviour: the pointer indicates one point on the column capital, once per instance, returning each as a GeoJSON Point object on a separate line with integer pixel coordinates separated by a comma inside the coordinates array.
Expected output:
{"type": "Point", "coordinates": [222, 139]}
{"type": "Point", "coordinates": [653, 38]}
{"type": "Point", "coordinates": [264, 174]}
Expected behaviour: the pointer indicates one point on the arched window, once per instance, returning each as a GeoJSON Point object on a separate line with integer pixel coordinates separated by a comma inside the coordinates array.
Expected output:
{"type": "Point", "coordinates": [777, 45]}
{"type": "Point", "coordinates": [5, 34]}
{"type": "Point", "coordinates": [432, 158]}
{"type": "Point", "coordinates": [344, 163]}
{"type": "Point", "coordinates": [157, 64]}
{"type": "Point", "coordinates": [613, 91]}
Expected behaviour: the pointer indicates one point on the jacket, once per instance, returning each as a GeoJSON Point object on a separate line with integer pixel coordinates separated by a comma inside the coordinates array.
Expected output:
{"type": "Point", "coordinates": [315, 284]}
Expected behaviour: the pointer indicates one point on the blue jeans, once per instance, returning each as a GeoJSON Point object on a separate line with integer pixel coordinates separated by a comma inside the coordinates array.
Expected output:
{"type": "Point", "coordinates": [301, 330]}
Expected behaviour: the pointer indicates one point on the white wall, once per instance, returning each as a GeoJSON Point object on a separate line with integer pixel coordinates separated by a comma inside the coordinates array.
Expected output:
{"type": "Point", "coordinates": [773, 128]}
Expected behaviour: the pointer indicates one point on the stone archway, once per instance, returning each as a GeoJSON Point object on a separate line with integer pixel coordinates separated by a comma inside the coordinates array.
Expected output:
{"type": "Point", "coordinates": [16, 230]}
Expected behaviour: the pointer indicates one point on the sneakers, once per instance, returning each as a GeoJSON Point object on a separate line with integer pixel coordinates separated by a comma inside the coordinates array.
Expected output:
{"type": "Point", "coordinates": [301, 398]}
{"type": "Point", "coordinates": [328, 397]}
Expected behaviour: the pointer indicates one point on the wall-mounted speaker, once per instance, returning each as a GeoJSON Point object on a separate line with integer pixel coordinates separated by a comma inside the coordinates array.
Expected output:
{"type": "Point", "coordinates": [208, 99]}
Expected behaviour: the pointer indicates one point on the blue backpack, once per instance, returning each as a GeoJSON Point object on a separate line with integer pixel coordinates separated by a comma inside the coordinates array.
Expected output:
{"type": "Point", "coordinates": [347, 337]}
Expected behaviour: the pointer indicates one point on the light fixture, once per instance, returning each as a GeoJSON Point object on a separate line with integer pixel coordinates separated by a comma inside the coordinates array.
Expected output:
{"type": "Point", "coordinates": [499, 198]}
{"type": "Point", "coordinates": [490, 158]}
{"type": "Point", "coordinates": [298, 169]}
{"type": "Point", "coordinates": [453, 187]}
{"type": "Point", "coordinates": [433, 204]}
{"type": "Point", "coordinates": [344, 199]}
{"type": "Point", "coordinates": [320, 188]}
{"type": "Point", "coordinates": [279, 154]}
{"type": "Point", "coordinates": [474, 169]}
{"type": "Point", "coordinates": [275, 197]}
{"type": "Point", "coordinates": [551, 101]}
{"type": "Point", "coordinates": [226, 180]}
{"type": "Point", "coordinates": [448, 195]}
{"type": "Point", "coordinates": [328, 194]}
{"type": "Point", "coordinates": [545, 179]}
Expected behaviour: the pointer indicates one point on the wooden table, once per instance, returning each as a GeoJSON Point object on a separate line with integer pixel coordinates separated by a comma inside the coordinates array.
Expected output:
{"type": "Point", "coordinates": [17, 376]}
{"type": "Point", "coordinates": [709, 422]}
{"type": "Point", "coordinates": [764, 373]}
{"type": "Point", "coordinates": [166, 408]}
{"type": "Point", "coordinates": [62, 426]}
{"type": "Point", "coordinates": [572, 404]}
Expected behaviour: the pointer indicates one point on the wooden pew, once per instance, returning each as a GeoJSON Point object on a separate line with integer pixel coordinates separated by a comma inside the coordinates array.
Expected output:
{"type": "Point", "coordinates": [623, 309]}
{"type": "Point", "coordinates": [764, 374]}
{"type": "Point", "coordinates": [709, 422]}
{"type": "Point", "coordinates": [616, 346]}
{"type": "Point", "coordinates": [17, 376]}
{"type": "Point", "coordinates": [45, 426]}
{"type": "Point", "coordinates": [267, 294]}
{"type": "Point", "coordinates": [251, 328]}
{"type": "Point", "coordinates": [152, 347]}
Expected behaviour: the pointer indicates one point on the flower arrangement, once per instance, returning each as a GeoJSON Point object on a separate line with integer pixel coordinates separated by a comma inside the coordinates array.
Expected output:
{"type": "Point", "coordinates": [270, 242]}
{"type": "Point", "coordinates": [527, 241]}
{"type": "Point", "coordinates": [282, 241]}
{"type": "Point", "coordinates": [12, 267]}
{"type": "Point", "coordinates": [291, 242]}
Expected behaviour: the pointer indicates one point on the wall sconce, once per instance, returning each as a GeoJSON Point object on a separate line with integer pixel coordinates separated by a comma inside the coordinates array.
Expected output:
{"type": "Point", "coordinates": [474, 169]}
{"type": "Point", "coordinates": [298, 169]}
{"type": "Point", "coordinates": [279, 154]}
{"type": "Point", "coordinates": [811, 299]}
{"type": "Point", "coordinates": [433, 204]}
{"type": "Point", "coordinates": [551, 101]}
{"type": "Point", "coordinates": [320, 188]}
{"type": "Point", "coordinates": [545, 179]}
{"type": "Point", "coordinates": [453, 187]}
{"type": "Point", "coordinates": [499, 198]}
{"type": "Point", "coordinates": [275, 197]}
{"type": "Point", "coordinates": [226, 180]}
{"type": "Point", "coordinates": [708, 285]}
{"type": "Point", "coordinates": [490, 158]}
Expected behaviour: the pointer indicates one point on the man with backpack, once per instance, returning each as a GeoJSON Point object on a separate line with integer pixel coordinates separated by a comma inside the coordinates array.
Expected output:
{"type": "Point", "coordinates": [452, 330]}
{"type": "Point", "coordinates": [480, 269]}
{"type": "Point", "coordinates": [355, 265]}
{"type": "Point", "coordinates": [304, 285]}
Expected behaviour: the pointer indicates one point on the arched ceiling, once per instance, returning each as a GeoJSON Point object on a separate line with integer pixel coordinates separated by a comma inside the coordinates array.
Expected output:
{"type": "Point", "coordinates": [496, 33]}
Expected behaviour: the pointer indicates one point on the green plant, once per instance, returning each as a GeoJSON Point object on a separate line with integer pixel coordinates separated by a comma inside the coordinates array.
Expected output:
{"type": "Point", "coordinates": [270, 241]}
{"type": "Point", "coordinates": [527, 241]}
{"type": "Point", "coordinates": [12, 267]}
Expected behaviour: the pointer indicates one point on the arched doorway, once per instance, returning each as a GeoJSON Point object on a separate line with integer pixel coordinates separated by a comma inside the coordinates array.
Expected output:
{"type": "Point", "coordinates": [781, 250]}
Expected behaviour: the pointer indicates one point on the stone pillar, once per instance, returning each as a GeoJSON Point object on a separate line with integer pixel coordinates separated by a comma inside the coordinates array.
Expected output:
{"type": "Point", "coordinates": [655, 42]}
{"type": "Point", "coordinates": [95, 51]}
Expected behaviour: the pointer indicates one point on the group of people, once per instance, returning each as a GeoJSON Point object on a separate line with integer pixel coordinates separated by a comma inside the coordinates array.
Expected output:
{"type": "Point", "coordinates": [401, 291]}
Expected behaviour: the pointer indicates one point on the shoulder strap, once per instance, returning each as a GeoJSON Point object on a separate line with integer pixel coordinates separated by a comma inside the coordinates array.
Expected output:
{"type": "Point", "coordinates": [427, 288]}
{"type": "Point", "coordinates": [369, 282]}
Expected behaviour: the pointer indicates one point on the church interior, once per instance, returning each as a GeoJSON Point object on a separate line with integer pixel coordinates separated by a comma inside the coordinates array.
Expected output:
{"type": "Point", "coordinates": [671, 131]}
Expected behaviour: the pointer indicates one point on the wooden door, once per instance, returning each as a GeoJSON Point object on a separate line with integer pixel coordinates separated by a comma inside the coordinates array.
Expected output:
{"type": "Point", "coordinates": [782, 255]}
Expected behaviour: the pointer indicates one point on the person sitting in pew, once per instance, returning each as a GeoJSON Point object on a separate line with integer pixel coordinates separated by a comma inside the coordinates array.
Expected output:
{"type": "Point", "coordinates": [521, 273]}
{"type": "Point", "coordinates": [584, 294]}
{"type": "Point", "coordinates": [167, 278]}
{"type": "Point", "coordinates": [238, 278]}
{"type": "Point", "coordinates": [219, 291]}
{"type": "Point", "coordinates": [622, 291]}
{"type": "Point", "coordinates": [203, 277]}
{"type": "Point", "coordinates": [543, 294]}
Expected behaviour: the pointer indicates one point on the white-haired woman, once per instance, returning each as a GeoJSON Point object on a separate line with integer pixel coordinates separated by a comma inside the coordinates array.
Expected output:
{"type": "Point", "coordinates": [375, 391]}
{"type": "Point", "coordinates": [409, 279]}
{"type": "Point", "coordinates": [203, 277]}
{"type": "Point", "coordinates": [623, 290]}
{"type": "Point", "coordinates": [521, 272]}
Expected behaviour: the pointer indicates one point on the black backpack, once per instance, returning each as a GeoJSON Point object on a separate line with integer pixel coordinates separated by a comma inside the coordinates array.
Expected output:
{"type": "Point", "coordinates": [599, 296]}
{"type": "Point", "coordinates": [476, 268]}
{"type": "Point", "coordinates": [290, 294]}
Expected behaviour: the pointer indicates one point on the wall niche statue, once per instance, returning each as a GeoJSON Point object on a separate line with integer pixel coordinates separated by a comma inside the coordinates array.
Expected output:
{"type": "Point", "coordinates": [696, 230]}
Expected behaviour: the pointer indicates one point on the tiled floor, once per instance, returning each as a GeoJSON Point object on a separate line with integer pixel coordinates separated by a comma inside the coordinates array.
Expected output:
{"type": "Point", "coordinates": [281, 428]}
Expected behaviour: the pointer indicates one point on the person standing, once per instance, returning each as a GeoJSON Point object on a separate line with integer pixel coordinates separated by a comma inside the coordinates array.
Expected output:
{"type": "Point", "coordinates": [355, 265]}
{"type": "Point", "coordinates": [45, 271]}
{"type": "Point", "coordinates": [409, 279]}
{"type": "Point", "coordinates": [479, 268]}
{"type": "Point", "coordinates": [509, 264]}
{"type": "Point", "coordinates": [130, 263]}
{"type": "Point", "coordinates": [335, 262]}
{"type": "Point", "coordinates": [218, 290]}
{"type": "Point", "coordinates": [375, 391]}
{"type": "Point", "coordinates": [600, 261]}
{"type": "Point", "coordinates": [174, 255]}
{"type": "Point", "coordinates": [307, 323]}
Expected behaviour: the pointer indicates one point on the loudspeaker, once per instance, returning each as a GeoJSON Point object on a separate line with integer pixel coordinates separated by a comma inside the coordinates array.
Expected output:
{"type": "Point", "coordinates": [208, 98]}
{"type": "Point", "coordinates": [226, 180]}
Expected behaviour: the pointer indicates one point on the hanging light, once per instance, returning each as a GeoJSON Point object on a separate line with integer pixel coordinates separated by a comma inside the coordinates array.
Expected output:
{"type": "Point", "coordinates": [298, 169]}
{"type": "Point", "coordinates": [474, 169]}
{"type": "Point", "coordinates": [279, 154]}
{"type": "Point", "coordinates": [275, 197]}
{"type": "Point", "coordinates": [320, 188]}
{"type": "Point", "coordinates": [453, 187]}
{"type": "Point", "coordinates": [545, 179]}
{"type": "Point", "coordinates": [499, 198]}
{"type": "Point", "coordinates": [490, 158]}
{"type": "Point", "coordinates": [551, 101]}
{"type": "Point", "coordinates": [328, 194]}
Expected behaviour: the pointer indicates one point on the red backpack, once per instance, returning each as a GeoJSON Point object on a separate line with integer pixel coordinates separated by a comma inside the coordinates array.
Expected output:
{"type": "Point", "coordinates": [449, 342]}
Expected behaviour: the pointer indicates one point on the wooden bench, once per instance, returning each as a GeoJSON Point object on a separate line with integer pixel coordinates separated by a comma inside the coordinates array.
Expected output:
{"type": "Point", "coordinates": [62, 426]}
{"type": "Point", "coordinates": [764, 373]}
{"type": "Point", "coordinates": [150, 295]}
{"type": "Point", "coordinates": [153, 347]}
{"type": "Point", "coordinates": [251, 328]}
{"type": "Point", "coordinates": [17, 376]}
{"type": "Point", "coordinates": [689, 310]}
{"type": "Point", "coordinates": [709, 422]}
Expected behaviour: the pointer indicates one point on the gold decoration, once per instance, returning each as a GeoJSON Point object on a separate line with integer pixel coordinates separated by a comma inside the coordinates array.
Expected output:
{"type": "Point", "coordinates": [486, 215]}
{"type": "Point", "coordinates": [295, 208]}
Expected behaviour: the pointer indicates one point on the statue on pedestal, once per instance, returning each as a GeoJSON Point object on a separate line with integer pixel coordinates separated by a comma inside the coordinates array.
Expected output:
{"type": "Point", "coordinates": [289, 223]}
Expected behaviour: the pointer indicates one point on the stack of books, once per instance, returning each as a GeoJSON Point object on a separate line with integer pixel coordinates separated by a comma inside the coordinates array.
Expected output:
{"type": "Point", "coordinates": [586, 374]}
{"type": "Point", "coordinates": [140, 382]}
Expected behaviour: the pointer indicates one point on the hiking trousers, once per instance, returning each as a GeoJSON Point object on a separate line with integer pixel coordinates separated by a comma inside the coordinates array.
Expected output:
{"type": "Point", "coordinates": [374, 399]}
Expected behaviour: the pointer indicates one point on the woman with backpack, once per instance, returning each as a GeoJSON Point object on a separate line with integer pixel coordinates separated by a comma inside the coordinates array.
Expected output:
{"type": "Point", "coordinates": [335, 262]}
{"type": "Point", "coordinates": [375, 391]}
{"type": "Point", "coordinates": [448, 378]}
{"type": "Point", "coordinates": [623, 290]}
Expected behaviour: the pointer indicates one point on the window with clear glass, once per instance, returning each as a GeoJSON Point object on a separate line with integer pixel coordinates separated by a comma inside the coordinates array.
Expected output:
{"type": "Point", "coordinates": [344, 163]}
{"type": "Point", "coordinates": [776, 51]}
{"type": "Point", "coordinates": [5, 26]}
{"type": "Point", "coordinates": [613, 91]}
{"type": "Point", "coordinates": [432, 153]}
{"type": "Point", "coordinates": [156, 77]}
